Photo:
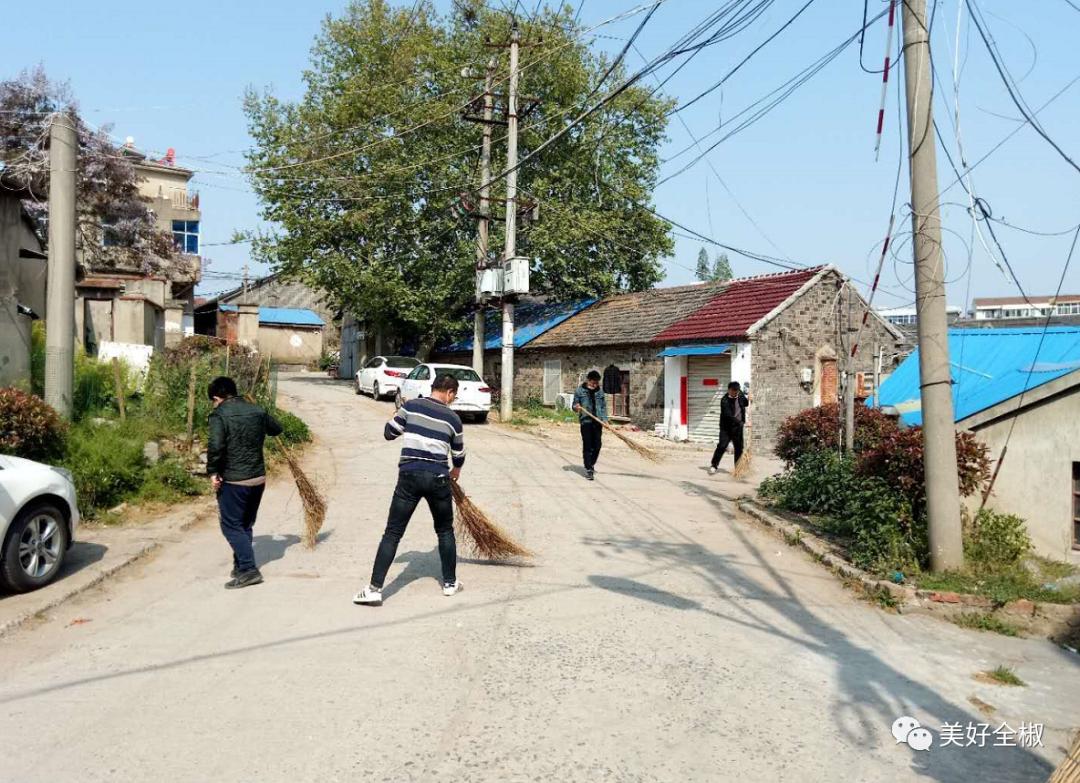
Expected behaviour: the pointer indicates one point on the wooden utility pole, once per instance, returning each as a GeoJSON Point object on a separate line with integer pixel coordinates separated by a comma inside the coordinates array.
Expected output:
{"type": "Point", "coordinates": [483, 219]}
{"type": "Point", "coordinates": [939, 433]}
{"type": "Point", "coordinates": [506, 407]}
{"type": "Point", "coordinates": [60, 277]}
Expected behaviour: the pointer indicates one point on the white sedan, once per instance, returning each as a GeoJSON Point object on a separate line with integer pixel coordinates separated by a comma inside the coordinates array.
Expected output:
{"type": "Point", "coordinates": [473, 397]}
{"type": "Point", "coordinates": [382, 376]}
{"type": "Point", "coordinates": [38, 518]}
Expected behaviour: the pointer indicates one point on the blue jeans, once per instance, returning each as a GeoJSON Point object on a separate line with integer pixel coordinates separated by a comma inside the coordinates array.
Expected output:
{"type": "Point", "coordinates": [412, 487]}
{"type": "Point", "coordinates": [238, 506]}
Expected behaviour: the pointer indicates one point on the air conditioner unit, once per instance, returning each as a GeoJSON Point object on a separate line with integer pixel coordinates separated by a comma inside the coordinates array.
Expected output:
{"type": "Point", "coordinates": [516, 275]}
{"type": "Point", "coordinates": [489, 282]}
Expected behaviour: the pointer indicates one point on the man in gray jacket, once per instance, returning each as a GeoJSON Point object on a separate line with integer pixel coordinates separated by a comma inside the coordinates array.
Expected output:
{"type": "Point", "coordinates": [589, 397]}
{"type": "Point", "coordinates": [234, 460]}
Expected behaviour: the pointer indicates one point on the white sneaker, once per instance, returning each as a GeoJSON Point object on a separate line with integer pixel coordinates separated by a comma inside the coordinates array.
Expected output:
{"type": "Point", "coordinates": [450, 588]}
{"type": "Point", "coordinates": [712, 471]}
{"type": "Point", "coordinates": [369, 596]}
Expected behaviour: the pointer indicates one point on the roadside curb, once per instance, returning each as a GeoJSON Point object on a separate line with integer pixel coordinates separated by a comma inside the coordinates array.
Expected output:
{"type": "Point", "coordinates": [1058, 622]}
{"type": "Point", "coordinates": [98, 578]}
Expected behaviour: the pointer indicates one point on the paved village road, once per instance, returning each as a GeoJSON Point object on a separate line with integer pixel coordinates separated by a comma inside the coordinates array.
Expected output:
{"type": "Point", "coordinates": [657, 638]}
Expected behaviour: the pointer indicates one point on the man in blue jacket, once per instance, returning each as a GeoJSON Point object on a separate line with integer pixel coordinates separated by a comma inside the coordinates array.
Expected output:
{"type": "Point", "coordinates": [590, 397]}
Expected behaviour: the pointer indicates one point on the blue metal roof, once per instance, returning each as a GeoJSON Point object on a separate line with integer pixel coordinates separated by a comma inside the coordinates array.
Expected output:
{"type": "Point", "coordinates": [530, 321]}
{"type": "Point", "coordinates": [695, 350]}
{"type": "Point", "coordinates": [989, 366]}
{"type": "Point", "coordinates": [282, 316]}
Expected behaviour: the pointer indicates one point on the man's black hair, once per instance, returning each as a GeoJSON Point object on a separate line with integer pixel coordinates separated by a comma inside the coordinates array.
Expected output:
{"type": "Point", "coordinates": [445, 382]}
{"type": "Point", "coordinates": [593, 375]}
{"type": "Point", "coordinates": [734, 385]}
{"type": "Point", "coordinates": [223, 387]}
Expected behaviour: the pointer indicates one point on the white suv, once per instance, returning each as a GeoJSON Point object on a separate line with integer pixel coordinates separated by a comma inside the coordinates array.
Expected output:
{"type": "Point", "coordinates": [38, 519]}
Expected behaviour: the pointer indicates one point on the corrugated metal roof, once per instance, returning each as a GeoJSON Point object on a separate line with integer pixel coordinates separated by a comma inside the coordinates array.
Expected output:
{"type": "Point", "coordinates": [989, 366]}
{"type": "Point", "coordinates": [282, 316]}
{"type": "Point", "coordinates": [742, 304]}
{"type": "Point", "coordinates": [530, 321]}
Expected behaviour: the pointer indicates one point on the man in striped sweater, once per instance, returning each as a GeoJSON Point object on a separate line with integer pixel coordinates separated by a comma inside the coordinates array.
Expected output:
{"type": "Point", "coordinates": [434, 441]}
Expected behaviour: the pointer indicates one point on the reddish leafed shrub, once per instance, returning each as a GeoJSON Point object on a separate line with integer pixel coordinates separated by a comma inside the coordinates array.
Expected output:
{"type": "Point", "coordinates": [30, 428]}
{"type": "Point", "coordinates": [898, 459]}
{"type": "Point", "coordinates": [818, 429]}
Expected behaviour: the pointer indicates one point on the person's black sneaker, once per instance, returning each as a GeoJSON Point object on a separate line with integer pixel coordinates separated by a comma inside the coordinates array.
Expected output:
{"type": "Point", "coordinates": [234, 573]}
{"type": "Point", "coordinates": [245, 579]}
{"type": "Point", "coordinates": [589, 475]}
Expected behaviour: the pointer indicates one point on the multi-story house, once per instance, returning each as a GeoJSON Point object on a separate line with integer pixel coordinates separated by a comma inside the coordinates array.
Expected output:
{"type": "Point", "coordinates": [138, 298]}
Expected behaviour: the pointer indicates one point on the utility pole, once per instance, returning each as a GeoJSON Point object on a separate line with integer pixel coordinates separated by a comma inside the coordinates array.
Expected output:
{"type": "Point", "coordinates": [483, 221]}
{"type": "Point", "coordinates": [939, 433]}
{"type": "Point", "coordinates": [506, 407]}
{"type": "Point", "coordinates": [60, 278]}
{"type": "Point", "coordinates": [877, 373]}
{"type": "Point", "coordinates": [245, 285]}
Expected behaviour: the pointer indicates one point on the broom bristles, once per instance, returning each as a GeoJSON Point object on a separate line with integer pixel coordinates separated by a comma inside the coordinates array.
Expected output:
{"type": "Point", "coordinates": [742, 467]}
{"type": "Point", "coordinates": [486, 538]}
{"type": "Point", "coordinates": [314, 503]}
{"type": "Point", "coordinates": [638, 448]}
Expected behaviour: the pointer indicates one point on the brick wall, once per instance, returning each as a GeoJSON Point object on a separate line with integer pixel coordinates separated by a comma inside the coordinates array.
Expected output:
{"type": "Point", "coordinates": [803, 334]}
{"type": "Point", "coordinates": [646, 374]}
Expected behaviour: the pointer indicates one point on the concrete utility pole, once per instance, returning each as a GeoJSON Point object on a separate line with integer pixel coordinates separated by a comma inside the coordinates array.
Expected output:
{"type": "Point", "coordinates": [939, 433]}
{"type": "Point", "coordinates": [506, 408]}
{"type": "Point", "coordinates": [60, 278]}
{"type": "Point", "coordinates": [485, 212]}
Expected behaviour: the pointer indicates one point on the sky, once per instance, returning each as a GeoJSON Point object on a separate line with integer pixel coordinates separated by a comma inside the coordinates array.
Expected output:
{"type": "Point", "coordinates": [802, 184]}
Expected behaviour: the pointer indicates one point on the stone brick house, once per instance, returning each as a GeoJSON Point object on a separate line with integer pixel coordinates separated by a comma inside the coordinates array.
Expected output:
{"type": "Point", "coordinates": [784, 336]}
{"type": "Point", "coordinates": [614, 331]}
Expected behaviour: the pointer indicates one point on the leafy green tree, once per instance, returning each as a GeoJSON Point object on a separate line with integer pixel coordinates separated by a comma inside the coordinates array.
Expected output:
{"type": "Point", "coordinates": [363, 173]}
{"type": "Point", "coordinates": [702, 272]}
{"type": "Point", "coordinates": [722, 268]}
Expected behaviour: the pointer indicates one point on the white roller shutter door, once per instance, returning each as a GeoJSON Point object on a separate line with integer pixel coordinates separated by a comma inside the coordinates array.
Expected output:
{"type": "Point", "coordinates": [708, 380]}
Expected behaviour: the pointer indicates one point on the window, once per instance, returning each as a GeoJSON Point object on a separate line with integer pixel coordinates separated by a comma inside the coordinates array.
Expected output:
{"type": "Point", "coordinates": [422, 373]}
{"type": "Point", "coordinates": [461, 373]}
{"type": "Point", "coordinates": [1076, 505]}
{"type": "Point", "coordinates": [415, 373]}
{"type": "Point", "coordinates": [376, 362]}
{"type": "Point", "coordinates": [401, 361]}
{"type": "Point", "coordinates": [186, 236]}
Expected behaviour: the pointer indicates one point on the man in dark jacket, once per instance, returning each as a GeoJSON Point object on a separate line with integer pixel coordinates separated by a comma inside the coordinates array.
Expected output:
{"type": "Point", "coordinates": [732, 419]}
{"type": "Point", "coordinates": [589, 397]}
{"type": "Point", "coordinates": [234, 460]}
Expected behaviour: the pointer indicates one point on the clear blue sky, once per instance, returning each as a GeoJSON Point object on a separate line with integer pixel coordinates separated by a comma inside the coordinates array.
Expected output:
{"type": "Point", "coordinates": [173, 76]}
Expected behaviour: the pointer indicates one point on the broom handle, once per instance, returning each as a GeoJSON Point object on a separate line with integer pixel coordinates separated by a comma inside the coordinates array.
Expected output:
{"type": "Point", "coordinates": [581, 409]}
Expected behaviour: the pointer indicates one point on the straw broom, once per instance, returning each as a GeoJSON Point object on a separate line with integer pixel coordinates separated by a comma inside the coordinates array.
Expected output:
{"type": "Point", "coordinates": [1069, 769]}
{"type": "Point", "coordinates": [742, 467]}
{"type": "Point", "coordinates": [488, 540]}
{"type": "Point", "coordinates": [640, 450]}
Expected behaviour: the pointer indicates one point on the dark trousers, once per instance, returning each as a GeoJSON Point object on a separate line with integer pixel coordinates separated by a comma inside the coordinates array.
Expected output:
{"type": "Point", "coordinates": [412, 487]}
{"type": "Point", "coordinates": [591, 441]}
{"type": "Point", "coordinates": [238, 506]}
{"type": "Point", "coordinates": [734, 437]}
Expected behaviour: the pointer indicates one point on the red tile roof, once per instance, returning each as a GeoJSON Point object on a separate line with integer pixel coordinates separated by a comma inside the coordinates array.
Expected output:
{"type": "Point", "coordinates": [742, 304]}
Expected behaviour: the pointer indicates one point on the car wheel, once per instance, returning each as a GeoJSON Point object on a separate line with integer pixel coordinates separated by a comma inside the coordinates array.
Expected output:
{"type": "Point", "coordinates": [375, 391]}
{"type": "Point", "coordinates": [481, 418]}
{"type": "Point", "coordinates": [397, 400]}
{"type": "Point", "coordinates": [36, 544]}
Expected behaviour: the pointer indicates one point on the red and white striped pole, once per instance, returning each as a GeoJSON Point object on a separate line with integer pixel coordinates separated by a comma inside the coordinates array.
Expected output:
{"type": "Point", "coordinates": [874, 286]}
{"type": "Point", "coordinates": [885, 76]}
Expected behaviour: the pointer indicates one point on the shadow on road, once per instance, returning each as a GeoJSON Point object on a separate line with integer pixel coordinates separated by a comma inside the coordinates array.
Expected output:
{"type": "Point", "coordinates": [81, 555]}
{"type": "Point", "coordinates": [874, 693]}
{"type": "Point", "coordinates": [273, 547]}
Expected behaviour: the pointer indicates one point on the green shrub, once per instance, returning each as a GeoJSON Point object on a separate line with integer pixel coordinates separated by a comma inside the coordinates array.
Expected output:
{"type": "Point", "coordinates": [996, 541]}
{"type": "Point", "coordinates": [820, 483]}
{"type": "Point", "coordinates": [107, 462]}
{"type": "Point", "coordinates": [818, 429]}
{"type": "Point", "coordinates": [885, 535]}
{"type": "Point", "coordinates": [294, 430]}
{"type": "Point", "coordinates": [29, 427]}
{"type": "Point", "coordinates": [169, 479]}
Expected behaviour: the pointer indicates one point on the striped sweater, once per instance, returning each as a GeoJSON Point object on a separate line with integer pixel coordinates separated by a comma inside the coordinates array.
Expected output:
{"type": "Point", "coordinates": [433, 436]}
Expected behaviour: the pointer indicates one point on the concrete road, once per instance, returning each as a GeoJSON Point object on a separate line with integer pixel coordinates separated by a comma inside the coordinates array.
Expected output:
{"type": "Point", "coordinates": [658, 637]}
